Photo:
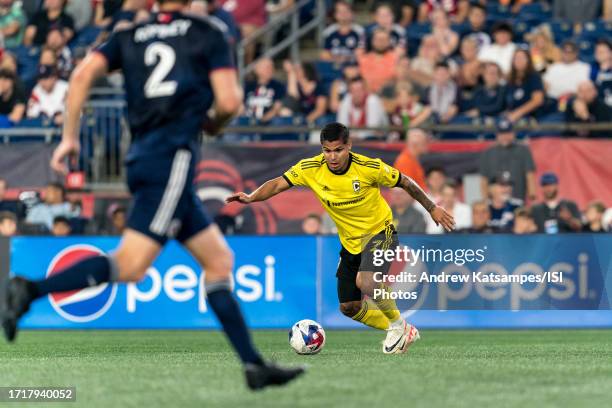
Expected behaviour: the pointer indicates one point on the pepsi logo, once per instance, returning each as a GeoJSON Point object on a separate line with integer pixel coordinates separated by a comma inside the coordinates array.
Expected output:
{"type": "Point", "coordinates": [83, 305]}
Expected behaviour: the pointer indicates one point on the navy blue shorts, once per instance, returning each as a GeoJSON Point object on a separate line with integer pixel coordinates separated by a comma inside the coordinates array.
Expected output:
{"type": "Point", "coordinates": [165, 204]}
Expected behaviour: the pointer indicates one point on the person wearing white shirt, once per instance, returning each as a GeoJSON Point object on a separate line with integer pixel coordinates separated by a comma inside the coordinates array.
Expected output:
{"type": "Point", "coordinates": [460, 211]}
{"type": "Point", "coordinates": [563, 77]}
{"type": "Point", "coordinates": [361, 109]}
{"type": "Point", "coordinates": [502, 50]}
{"type": "Point", "coordinates": [48, 96]}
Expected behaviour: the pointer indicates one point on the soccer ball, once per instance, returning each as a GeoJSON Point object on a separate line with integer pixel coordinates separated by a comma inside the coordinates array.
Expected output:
{"type": "Point", "coordinates": [307, 337]}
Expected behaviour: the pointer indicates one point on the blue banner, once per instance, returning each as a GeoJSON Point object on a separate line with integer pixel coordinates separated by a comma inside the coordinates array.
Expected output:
{"type": "Point", "coordinates": [274, 280]}
{"type": "Point", "coordinates": [282, 279]}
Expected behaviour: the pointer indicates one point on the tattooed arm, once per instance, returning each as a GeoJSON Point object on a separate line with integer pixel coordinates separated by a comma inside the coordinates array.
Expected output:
{"type": "Point", "coordinates": [438, 214]}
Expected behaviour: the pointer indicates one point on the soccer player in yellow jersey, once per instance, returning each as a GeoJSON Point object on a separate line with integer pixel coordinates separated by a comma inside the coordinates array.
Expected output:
{"type": "Point", "coordinates": [348, 186]}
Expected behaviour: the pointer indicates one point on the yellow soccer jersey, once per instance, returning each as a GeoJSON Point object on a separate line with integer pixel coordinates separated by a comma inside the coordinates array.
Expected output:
{"type": "Point", "coordinates": [352, 199]}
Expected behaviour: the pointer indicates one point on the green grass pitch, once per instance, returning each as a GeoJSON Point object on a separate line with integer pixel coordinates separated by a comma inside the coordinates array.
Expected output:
{"type": "Point", "coordinates": [112, 369]}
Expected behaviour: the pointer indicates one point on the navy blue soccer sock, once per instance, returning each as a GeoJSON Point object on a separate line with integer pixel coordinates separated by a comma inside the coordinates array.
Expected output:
{"type": "Point", "coordinates": [88, 272]}
{"type": "Point", "coordinates": [228, 312]}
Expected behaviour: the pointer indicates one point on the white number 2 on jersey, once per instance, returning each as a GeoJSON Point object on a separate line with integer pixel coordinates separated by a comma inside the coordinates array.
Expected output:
{"type": "Point", "coordinates": [164, 57]}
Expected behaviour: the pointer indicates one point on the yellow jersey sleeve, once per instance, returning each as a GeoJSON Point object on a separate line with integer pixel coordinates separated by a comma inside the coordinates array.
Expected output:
{"type": "Point", "coordinates": [295, 176]}
{"type": "Point", "coordinates": [387, 176]}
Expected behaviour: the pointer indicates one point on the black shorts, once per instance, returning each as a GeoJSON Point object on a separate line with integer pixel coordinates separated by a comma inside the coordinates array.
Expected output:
{"type": "Point", "coordinates": [165, 204]}
{"type": "Point", "coordinates": [351, 264]}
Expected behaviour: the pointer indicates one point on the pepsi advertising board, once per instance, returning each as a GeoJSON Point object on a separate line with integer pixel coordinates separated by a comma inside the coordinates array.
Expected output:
{"type": "Point", "coordinates": [280, 280]}
{"type": "Point", "coordinates": [273, 283]}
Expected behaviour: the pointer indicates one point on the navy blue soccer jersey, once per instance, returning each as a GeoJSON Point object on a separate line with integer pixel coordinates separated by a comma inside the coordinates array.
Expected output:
{"type": "Point", "coordinates": [343, 44]}
{"type": "Point", "coordinates": [166, 63]}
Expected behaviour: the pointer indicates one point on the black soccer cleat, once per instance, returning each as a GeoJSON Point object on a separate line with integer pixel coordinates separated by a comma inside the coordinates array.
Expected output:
{"type": "Point", "coordinates": [18, 294]}
{"type": "Point", "coordinates": [261, 376]}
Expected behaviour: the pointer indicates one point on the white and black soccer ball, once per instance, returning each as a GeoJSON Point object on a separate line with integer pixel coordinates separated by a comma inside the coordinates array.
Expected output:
{"type": "Point", "coordinates": [307, 337]}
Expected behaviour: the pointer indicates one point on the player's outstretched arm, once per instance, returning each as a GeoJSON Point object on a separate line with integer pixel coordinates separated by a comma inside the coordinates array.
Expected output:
{"type": "Point", "coordinates": [438, 214]}
{"type": "Point", "coordinates": [81, 81]}
{"type": "Point", "coordinates": [268, 189]}
{"type": "Point", "coordinates": [228, 99]}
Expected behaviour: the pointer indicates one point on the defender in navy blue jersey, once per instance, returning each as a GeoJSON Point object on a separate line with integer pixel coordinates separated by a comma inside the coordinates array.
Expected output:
{"type": "Point", "coordinates": [179, 77]}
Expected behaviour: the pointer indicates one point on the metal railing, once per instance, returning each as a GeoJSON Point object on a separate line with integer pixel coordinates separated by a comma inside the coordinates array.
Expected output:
{"type": "Point", "coordinates": [291, 41]}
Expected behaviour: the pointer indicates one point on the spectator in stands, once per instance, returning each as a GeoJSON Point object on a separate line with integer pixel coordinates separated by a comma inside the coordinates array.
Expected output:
{"type": "Point", "coordinates": [6, 205]}
{"type": "Point", "coordinates": [424, 64]}
{"type": "Point", "coordinates": [361, 108]}
{"type": "Point", "coordinates": [250, 15]}
{"type": "Point", "coordinates": [384, 19]}
{"type": "Point", "coordinates": [263, 97]}
{"type": "Point", "coordinates": [12, 23]}
{"type": "Point", "coordinates": [525, 88]}
{"type": "Point", "coordinates": [51, 16]}
{"type": "Point", "coordinates": [406, 11]}
{"type": "Point", "coordinates": [81, 12]}
{"type": "Point", "coordinates": [508, 156]}
{"type": "Point", "coordinates": [601, 70]}
{"type": "Point", "coordinates": [379, 66]}
{"type": "Point", "coordinates": [451, 7]}
{"type": "Point", "coordinates": [342, 38]}
{"type": "Point", "coordinates": [594, 217]}
{"type": "Point", "coordinates": [54, 204]}
{"type": "Point", "coordinates": [555, 215]}
{"type": "Point", "coordinates": [9, 62]}
{"type": "Point", "coordinates": [408, 160]}
{"type": "Point", "coordinates": [61, 226]}
{"type": "Point", "coordinates": [403, 75]}
{"type": "Point", "coordinates": [481, 217]}
{"type": "Point", "coordinates": [436, 180]}
{"type": "Point", "coordinates": [442, 94]}
{"type": "Point", "coordinates": [305, 94]}
{"type": "Point", "coordinates": [312, 224]}
{"type": "Point", "coordinates": [118, 219]}
{"type": "Point", "coordinates": [489, 98]}
{"type": "Point", "coordinates": [501, 203]}
{"type": "Point", "coordinates": [469, 65]}
{"type": "Point", "coordinates": [47, 57]}
{"type": "Point", "coordinates": [477, 29]}
{"type": "Point", "coordinates": [48, 96]}
{"type": "Point", "coordinates": [587, 107]}
{"type": "Point", "coordinates": [576, 11]}
{"type": "Point", "coordinates": [562, 78]}
{"type": "Point", "coordinates": [407, 110]}
{"type": "Point", "coordinates": [57, 43]}
{"type": "Point", "coordinates": [447, 39]}
{"type": "Point", "coordinates": [8, 224]}
{"type": "Point", "coordinates": [542, 48]}
{"type": "Point", "coordinates": [339, 88]}
{"type": "Point", "coordinates": [130, 12]}
{"type": "Point", "coordinates": [12, 99]}
{"type": "Point", "coordinates": [523, 222]}
{"type": "Point", "coordinates": [406, 218]}
{"type": "Point", "coordinates": [460, 211]}
{"type": "Point", "coordinates": [502, 49]}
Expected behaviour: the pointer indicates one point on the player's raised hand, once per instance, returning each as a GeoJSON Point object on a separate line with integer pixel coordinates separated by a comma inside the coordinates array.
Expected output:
{"type": "Point", "coordinates": [441, 216]}
{"type": "Point", "coordinates": [67, 149]}
{"type": "Point", "coordinates": [241, 197]}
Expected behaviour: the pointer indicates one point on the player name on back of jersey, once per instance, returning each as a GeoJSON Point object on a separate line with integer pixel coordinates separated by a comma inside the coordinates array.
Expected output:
{"type": "Point", "coordinates": [174, 29]}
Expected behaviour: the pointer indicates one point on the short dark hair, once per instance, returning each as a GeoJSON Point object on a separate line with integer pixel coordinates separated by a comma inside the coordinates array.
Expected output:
{"type": "Point", "coordinates": [571, 44]}
{"type": "Point", "coordinates": [502, 26]}
{"type": "Point", "coordinates": [523, 212]}
{"type": "Point", "coordinates": [7, 215]}
{"type": "Point", "coordinates": [442, 64]}
{"type": "Point", "coordinates": [479, 6]}
{"type": "Point", "coordinates": [604, 41]}
{"type": "Point", "coordinates": [60, 219]}
{"type": "Point", "coordinates": [310, 71]}
{"type": "Point", "coordinates": [435, 169]}
{"type": "Point", "coordinates": [58, 185]}
{"type": "Point", "coordinates": [334, 131]}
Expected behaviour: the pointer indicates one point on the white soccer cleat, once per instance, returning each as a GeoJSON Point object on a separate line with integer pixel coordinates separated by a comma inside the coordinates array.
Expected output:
{"type": "Point", "coordinates": [400, 337]}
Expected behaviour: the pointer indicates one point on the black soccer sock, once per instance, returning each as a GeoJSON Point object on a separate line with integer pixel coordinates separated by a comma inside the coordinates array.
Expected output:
{"type": "Point", "coordinates": [88, 272]}
{"type": "Point", "coordinates": [228, 312]}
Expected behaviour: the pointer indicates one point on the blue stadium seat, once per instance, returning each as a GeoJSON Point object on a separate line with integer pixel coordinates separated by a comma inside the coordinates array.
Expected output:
{"type": "Point", "coordinates": [535, 11]}
{"type": "Point", "coordinates": [562, 30]}
{"type": "Point", "coordinates": [586, 50]}
{"type": "Point", "coordinates": [328, 72]}
{"type": "Point", "coordinates": [593, 31]}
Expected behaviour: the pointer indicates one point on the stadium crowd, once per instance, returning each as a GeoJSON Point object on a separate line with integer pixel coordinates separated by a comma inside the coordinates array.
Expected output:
{"type": "Point", "coordinates": [505, 63]}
